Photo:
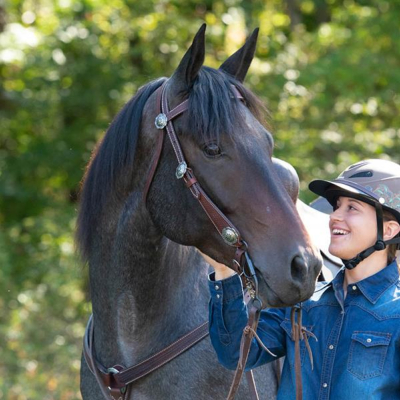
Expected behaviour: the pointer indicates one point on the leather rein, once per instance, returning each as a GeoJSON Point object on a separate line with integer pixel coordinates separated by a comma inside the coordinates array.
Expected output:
{"type": "Point", "coordinates": [114, 381]}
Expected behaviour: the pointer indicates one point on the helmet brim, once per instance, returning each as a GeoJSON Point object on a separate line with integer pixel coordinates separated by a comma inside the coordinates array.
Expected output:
{"type": "Point", "coordinates": [331, 190]}
{"type": "Point", "coordinates": [320, 187]}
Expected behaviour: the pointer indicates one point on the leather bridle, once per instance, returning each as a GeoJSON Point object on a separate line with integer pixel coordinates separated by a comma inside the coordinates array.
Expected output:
{"type": "Point", "coordinates": [241, 263]}
{"type": "Point", "coordinates": [163, 122]}
{"type": "Point", "coordinates": [113, 381]}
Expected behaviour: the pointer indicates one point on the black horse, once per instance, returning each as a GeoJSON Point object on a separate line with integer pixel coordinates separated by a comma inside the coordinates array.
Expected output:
{"type": "Point", "coordinates": [148, 283]}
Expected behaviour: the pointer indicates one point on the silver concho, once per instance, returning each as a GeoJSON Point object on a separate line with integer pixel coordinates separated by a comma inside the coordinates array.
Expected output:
{"type": "Point", "coordinates": [230, 235]}
{"type": "Point", "coordinates": [161, 121]}
{"type": "Point", "coordinates": [181, 170]}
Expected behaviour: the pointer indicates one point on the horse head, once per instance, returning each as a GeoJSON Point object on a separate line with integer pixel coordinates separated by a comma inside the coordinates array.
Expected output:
{"type": "Point", "coordinates": [226, 144]}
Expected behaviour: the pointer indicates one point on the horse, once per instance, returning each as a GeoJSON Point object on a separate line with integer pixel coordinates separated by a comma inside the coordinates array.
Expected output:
{"type": "Point", "coordinates": [139, 227]}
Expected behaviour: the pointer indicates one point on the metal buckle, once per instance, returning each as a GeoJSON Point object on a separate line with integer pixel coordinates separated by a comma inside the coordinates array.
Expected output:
{"type": "Point", "coordinates": [161, 121]}
{"type": "Point", "coordinates": [230, 235]}
{"type": "Point", "coordinates": [181, 170]}
{"type": "Point", "coordinates": [122, 390]}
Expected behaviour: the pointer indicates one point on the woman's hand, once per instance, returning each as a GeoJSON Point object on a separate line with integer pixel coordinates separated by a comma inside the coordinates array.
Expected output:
{"type": "Point", "coordinates": [221, 270]}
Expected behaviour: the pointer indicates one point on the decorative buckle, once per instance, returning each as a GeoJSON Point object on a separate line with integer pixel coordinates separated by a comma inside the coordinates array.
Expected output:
{"type": "Point", "coordinates": [161, 121]}
{"type": "Point", "coordinates": [181, 170]}
{"type": "Point", "coordinates": [112, 370]}
{"type": "Point", "coordinates": [230, 235]}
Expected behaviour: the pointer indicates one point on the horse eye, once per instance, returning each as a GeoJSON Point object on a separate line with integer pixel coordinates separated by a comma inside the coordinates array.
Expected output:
{"type": "Point", "coordinates": [212, 150]}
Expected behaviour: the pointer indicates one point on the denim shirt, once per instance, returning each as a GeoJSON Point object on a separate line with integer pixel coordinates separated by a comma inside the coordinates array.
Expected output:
{"type": "Point", "coordinates": [357, 355]}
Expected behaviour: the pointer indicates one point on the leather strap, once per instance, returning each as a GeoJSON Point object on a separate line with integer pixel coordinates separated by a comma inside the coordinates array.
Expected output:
{"type": "Point", "coordinates": [113, 381]}
{"type": "Point", "coordinates": [254, 314]}
{"type": "Point", "coordinates": [300, 333]}
{"type": "Point", "coordinates": [252, 385]}
{"type": "Point", "coordinates": [249, 332]}
{"type": "Point", "coordinates": [219, 220]}
{"type": "Point", "coordinates": [147, 366]}
{"type": "Point", "coordinates": [297, 360]}
{"type": "Point", "coordinates": [157, 154]}
{"type": "Point", "coordinates": [108, 388]}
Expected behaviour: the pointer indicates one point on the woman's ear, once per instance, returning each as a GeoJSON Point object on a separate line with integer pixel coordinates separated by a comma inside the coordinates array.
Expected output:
{"type": "Point", "coordinates": [390, 229]}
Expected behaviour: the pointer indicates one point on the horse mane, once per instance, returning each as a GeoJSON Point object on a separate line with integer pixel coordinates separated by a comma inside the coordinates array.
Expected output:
{"type": "Point", "coordinates": [114, 153]}
{"type": "Point", "coordinates": [212, 110]}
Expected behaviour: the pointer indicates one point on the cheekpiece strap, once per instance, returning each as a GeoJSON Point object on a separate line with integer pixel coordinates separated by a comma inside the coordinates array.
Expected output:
{"type": "Point", "coordinates": [224, 226]}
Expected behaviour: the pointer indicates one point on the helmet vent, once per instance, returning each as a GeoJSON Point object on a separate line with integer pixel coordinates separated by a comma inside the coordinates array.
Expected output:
{"type": "Point", "coordinates": [364, 174]}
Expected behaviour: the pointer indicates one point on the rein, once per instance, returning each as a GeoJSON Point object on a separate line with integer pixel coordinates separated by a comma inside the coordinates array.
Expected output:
{"type": "Point", "coordinates": [113, 381]}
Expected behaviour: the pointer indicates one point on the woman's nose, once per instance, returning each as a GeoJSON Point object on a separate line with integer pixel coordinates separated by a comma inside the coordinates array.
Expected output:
{"type": "Point", "coordinates": [336, 215]}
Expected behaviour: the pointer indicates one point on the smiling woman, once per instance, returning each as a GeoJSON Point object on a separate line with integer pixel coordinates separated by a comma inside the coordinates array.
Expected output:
{"type": "Point", "coordinates": [356, 317]}
{"type": "Point", "coordinates": [353, 226]}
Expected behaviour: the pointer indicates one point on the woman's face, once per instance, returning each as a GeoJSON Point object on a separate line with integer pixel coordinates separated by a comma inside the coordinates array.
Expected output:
{"type": "Point", "coordinates": [353, 228]}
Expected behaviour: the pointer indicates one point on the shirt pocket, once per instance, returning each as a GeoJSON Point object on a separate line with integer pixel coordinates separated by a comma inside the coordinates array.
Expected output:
{"type": "Point", "coordinates": [290, 350]}
{"type": "Point", "coordinates": [368, 354]}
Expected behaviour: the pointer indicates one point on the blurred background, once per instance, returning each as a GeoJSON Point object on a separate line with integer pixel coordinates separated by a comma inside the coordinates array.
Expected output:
{"type": "Point", "coordinates": [328, 70]}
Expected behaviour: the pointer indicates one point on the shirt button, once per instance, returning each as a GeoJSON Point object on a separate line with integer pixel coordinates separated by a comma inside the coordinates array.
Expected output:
{"type": "Point", "coordinates": [216, 287]}
{"type": "Point", "coordinates": [354, 287]}
{"type": "Point", "coordinates": [218, 296]}
{"type": "Point", "coordinates": [369, 340]}
{"type": "Point", "coordinates": [331, 347]}
{"type": "Point", "coordinates": [325, 385]}
{"type": "Point", "coordinates": [342, 312]}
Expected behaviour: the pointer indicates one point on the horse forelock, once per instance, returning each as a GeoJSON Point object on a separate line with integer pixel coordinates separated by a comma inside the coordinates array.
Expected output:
{"type": "Point", "coordinates": [114, 154]}
{"type": "Point", "coordinates": [214, 110]}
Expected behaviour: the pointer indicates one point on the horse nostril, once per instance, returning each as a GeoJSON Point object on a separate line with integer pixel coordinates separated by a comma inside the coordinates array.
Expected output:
{"type": "Point", "coordinates": [298, 268]}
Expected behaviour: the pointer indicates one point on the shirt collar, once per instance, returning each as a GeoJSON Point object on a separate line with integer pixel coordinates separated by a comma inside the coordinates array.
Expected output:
{"type": "Point", "coordinates": [374, 286]}
{"type": "Point", "coordinates": [337, 281]}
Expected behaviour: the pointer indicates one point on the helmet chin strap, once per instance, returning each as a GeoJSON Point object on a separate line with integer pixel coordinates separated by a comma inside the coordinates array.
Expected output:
{"type": "Point", "coordinates": [380, 244]}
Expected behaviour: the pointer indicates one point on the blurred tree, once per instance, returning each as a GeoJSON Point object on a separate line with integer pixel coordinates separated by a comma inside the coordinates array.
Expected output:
{"type": "Point", "coordinates": [327, 69]}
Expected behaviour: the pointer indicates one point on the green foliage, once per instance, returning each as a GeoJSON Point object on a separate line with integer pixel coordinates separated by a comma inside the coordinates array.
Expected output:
{"type": "Point", "coordinates": [327, 69]}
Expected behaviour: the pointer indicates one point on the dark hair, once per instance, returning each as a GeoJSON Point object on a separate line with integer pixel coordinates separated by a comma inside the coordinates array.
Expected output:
{"type": "Point", "coordinates": [392, 248]}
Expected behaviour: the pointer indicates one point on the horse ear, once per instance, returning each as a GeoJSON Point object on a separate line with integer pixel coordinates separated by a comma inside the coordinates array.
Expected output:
{"type": "Point", "coordinates": [238, 63]}
{"type": "Point", "coordinates": [193, 59]}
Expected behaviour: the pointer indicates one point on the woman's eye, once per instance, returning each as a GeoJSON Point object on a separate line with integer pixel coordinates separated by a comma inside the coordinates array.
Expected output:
{"type": "Point", "coordinates": [212, 150]}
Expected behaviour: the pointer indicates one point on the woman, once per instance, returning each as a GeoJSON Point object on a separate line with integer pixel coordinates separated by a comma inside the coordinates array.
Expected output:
{"type": "Point", "coordinates": [356, 317]}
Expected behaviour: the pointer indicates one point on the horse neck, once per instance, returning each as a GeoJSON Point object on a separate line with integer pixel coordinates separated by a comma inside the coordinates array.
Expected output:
{"type": "Point", "coordinates": [146, 290]}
